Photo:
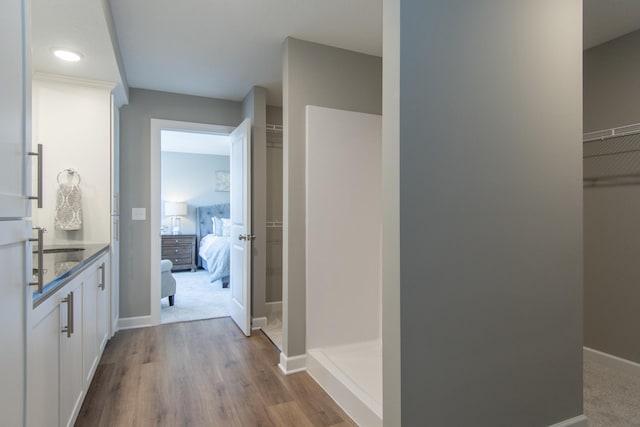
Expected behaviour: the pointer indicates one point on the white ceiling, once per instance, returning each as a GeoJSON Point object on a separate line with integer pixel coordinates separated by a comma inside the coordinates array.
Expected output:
{"type": "Point", "coordinates": [194, 143]}
{"type": "Point", "coordinates": [80, 25]}
{"type": "Point", "coordinates": [221, 48]}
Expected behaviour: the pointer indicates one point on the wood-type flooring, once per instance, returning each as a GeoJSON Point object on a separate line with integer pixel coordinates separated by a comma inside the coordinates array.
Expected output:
{"type": "Point", "coordinates": [201, 373]}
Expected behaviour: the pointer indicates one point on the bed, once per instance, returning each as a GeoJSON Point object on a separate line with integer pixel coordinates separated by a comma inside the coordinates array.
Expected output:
{"type": "Point", "coordinates": [213, 244]}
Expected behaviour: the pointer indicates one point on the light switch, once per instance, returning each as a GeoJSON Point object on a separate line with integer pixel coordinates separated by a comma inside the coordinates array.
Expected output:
{"type": "Point", "coordinates": [138, 214]}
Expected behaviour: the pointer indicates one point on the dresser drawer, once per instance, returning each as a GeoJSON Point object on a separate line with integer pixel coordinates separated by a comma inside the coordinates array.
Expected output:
{"type": "Point", "coordinates": [178, 262]}
{"type": "Point", "coordinates": [177, 242]}
{"type": "Point", "coordinates": [176, 251]}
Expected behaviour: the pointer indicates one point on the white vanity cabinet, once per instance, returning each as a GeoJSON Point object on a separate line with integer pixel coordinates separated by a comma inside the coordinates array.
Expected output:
{"type": "Point", "coordinates": [43, 363]}
{"type": "Point", "coordinates": [95, 315]}
{"type": "Point", "coordinates": [54, 358]}
{"type": "Point", "coordinates": [103, 317]}
{"type": "Point", "coordinates": [67, 335]}
{"type": "Point", "coordinates": [71, 379]}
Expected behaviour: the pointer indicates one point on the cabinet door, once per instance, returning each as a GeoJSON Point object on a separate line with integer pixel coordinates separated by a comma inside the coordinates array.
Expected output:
{"type": "Point", "coordinates": [15, 108]}
{"type": "Point", "coordinates": [114, 280]}
{"type": "Point", "coordinates": [13, 248]}
{"type": "Point", "coordinates": [43, 386]}
{"type": "Point", "coordinates": [90, 282]}
{"type": "Point", "coordinates": [71, 372]}
{"type": "Point", "coordinates": [102, 304]}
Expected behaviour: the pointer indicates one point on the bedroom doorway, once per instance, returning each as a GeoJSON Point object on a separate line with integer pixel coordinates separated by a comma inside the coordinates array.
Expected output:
{"type": "Point", "coordinates": [186, 158]}
{"type": "Point", "coordinates": [195, 225]}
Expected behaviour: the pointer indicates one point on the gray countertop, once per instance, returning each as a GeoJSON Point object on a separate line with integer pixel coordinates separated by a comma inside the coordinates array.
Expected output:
{"type": "Point", "coordinates": [61, 265]}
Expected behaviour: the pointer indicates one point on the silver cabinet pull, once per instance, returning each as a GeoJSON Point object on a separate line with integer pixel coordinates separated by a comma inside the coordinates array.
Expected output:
{"type": "Point", "coordinates": [38, 154]}
{"type": "Point", "coordinates": [40, 240]}
{"type": "Point", "coordinates": [242, 237]}
{"type": "Point", "coordinates": [251, 237]}
{"type": "Point", "coordinates": [101, 285]}
{"type": "Point", "coordinates": [116, 230]}
{"type": "Point", "coordinates": [247, 237]}
{"type": "Point", "coordinates": [116, 202]}
{"type": "Point", "coordinates": [69, 301]}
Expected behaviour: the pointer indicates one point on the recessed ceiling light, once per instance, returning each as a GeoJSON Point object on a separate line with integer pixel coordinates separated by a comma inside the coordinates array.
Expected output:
{"type": "Point", "coordinates": [67, 55]}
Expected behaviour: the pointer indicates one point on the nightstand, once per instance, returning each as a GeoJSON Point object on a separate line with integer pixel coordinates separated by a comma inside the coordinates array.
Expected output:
{"type": "Point", "coordinates": [180, 249]}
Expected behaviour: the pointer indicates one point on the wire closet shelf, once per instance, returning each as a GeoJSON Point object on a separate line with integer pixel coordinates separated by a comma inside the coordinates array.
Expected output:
{"type": "Point", "coordinates": [612, 157]}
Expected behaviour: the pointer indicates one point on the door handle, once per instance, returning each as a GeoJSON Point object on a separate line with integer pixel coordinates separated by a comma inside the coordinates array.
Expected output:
{"type": "Point", "coordinates": [243, 237]}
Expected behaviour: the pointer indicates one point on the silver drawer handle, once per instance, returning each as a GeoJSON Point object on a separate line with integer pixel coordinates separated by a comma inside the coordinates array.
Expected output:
{"type": "Point", "coordinates": [101, 285]}
{"type": "Point", "coordinates": [69, 301]}
{"type": "Point", "coordinates": [40, 240]}
{"type": "Point", "coordinates": [38, 154]}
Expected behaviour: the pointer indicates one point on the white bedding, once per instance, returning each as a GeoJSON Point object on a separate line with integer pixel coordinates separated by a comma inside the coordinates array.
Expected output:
{"type": "Point", "coordinates": [215, 251]}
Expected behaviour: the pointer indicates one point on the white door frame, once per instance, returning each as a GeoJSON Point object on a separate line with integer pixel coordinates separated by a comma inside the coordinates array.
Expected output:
{"type": "Point", "coordinates": [158, 125]}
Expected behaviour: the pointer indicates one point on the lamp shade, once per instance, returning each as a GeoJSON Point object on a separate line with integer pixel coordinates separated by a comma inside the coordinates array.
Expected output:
{"type": "Point", "coordinates": [175, 208]}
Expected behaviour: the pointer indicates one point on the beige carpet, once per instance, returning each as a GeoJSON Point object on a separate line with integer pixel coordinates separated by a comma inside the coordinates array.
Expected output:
{"type": "Point", "coordinates": [611, 397]}
{"type": "Point", "coordinates": [196, 298]}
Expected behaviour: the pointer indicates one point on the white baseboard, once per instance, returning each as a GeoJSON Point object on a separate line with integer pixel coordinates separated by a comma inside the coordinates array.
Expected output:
{"type": "Point", "coordinates": [293, 364]}
{"type": "Point", "coordinates": [579, 421]}
{"type": "Point", "coordinates": [274, 307]}
{"type": "Point", "coordinates": [134, 322]}
{"type": "Point", "coordinates": [614, 362]}
{"type": "Point", "coordinates": [258, 323]}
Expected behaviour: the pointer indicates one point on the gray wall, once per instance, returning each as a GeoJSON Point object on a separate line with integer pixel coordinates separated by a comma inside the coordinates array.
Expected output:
{"type": "Point", "coordinates": [313, 74]}
{"type": "Point", "coordinates": [490, 212]}
{"type": "Point", "coordinates": [254, 106]}
{"type": "Point", "coordinates": [611, 89]}
{"type": "Point", "coordinates": [135, 188]}
{"type": "Point", "coordinates": [190, 178]}
{"type": "Point", "coordinates": [274, 115]}
{"type": "Point", "coordinates": [611, 227]}
{"type": "Point", "coordinates": [390, 264]}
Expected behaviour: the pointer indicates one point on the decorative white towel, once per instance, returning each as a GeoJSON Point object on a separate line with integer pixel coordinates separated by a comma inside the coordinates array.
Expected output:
{"type": "Point", "coordinates": [68, 207]}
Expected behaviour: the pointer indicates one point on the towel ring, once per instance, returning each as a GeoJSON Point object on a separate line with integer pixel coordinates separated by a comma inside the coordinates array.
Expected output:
{"type": "Point", "coordinates": [71, 172]}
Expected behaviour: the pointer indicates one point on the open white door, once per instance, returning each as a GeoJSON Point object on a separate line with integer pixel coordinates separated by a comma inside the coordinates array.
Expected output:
{"type": "Point", "coordinates": [241, 236]}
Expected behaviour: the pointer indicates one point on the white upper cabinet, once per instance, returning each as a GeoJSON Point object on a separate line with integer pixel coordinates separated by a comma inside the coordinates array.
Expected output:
{"type": "Point", "coordinates": [14, 110]}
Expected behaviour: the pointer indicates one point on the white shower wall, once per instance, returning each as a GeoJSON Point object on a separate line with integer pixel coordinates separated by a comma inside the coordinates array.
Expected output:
{"type": "Point", "coordinates": [344, 169]}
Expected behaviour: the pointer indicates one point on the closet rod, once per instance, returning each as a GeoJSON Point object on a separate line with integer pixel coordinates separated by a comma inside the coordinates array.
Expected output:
{"type": "Point", "coordinates": [609, 178]}
{"type": "Point", "coordinates": [274, 128]}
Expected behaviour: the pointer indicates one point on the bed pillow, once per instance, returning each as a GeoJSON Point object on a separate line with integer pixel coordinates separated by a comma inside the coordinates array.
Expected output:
{"type": "Point", "coordinates": [217, 226]}
{"type": "Point", "coordinates": [226, 227]}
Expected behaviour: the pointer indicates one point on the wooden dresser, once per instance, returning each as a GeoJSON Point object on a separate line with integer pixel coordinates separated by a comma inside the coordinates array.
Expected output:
{"type": "Point", "coordinates": [180, 249]}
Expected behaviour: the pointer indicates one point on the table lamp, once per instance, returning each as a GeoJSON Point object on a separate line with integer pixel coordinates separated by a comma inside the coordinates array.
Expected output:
{"type": "Point", "coordinates": [175, 210]}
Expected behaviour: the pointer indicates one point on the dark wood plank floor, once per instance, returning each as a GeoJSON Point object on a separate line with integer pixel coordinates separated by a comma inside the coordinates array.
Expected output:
{"type": "Point", "coordinates": [203, 373]}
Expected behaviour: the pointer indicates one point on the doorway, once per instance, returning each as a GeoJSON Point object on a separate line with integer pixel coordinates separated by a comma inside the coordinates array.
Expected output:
{"type": "Point", "coordinates": [181, 218]}
{"type": "Point", "coordinates": [194, 180]}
